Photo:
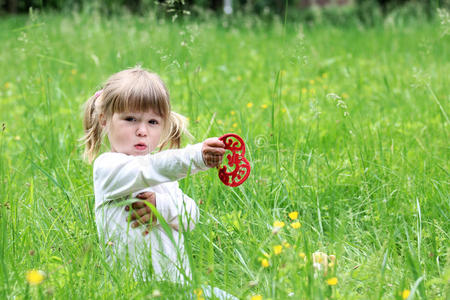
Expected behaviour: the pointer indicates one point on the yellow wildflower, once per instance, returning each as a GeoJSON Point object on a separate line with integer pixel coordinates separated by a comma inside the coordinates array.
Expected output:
{"type": "Point", "coordinates": [265, 262]}
{"type": "Point", "coordinates": [7, 85]}
{"type": "Point", "coordinates": [286, 244]}
{"type": "Point", "coordinates": [279, 224]}
{"type": "Point", "coordinates": [199, 294]}
{"type": "Point", "coordinates": [319, 257]}
{"type": "Point", "coordinates": [233, 112]}
{"type": "Point", "coordinates": [302, 255]}
{"type": "Point", "coordinates": [264, 106]}
{"type": "Point", "coordinates": [312, 81]}
{"type": "Point", "coordinates": [304, 90]}
{"type": "Point", "coordinates": [17, 138]}
{"type": "Point", "coordinates": [332, 281]}
{"type": "Point", "coordinates": [293, 215]}
{"type": "Point", "coordinates": [239, 78]}
{"type": "Point", "coordinates": [73, 71]}
{"type": "Point", "coordinates": [405, 294]}
{"type": "Point", "coordinates": [256, 297]}
{"type": "Point", "coordinates": [35, 277]}
{"type": "Point", "coordinates": [277, 249]}
{"type": "Point", "coordinates": [345, 95]}
{"type": "Point", "coordinates": [250, 104]}
{"type": "Point", "coordinates": [320, 261]}
{"type": "Point", "coordinates": [283, 110]}
{"type": "Point", "coordinates": [325, 75]}
{"type": "Point", "coordinates": [219, 122]}
{"type": "Point", "coordinates": [296, 225]}
{"type": "Point", "coordinates": [234, 125]}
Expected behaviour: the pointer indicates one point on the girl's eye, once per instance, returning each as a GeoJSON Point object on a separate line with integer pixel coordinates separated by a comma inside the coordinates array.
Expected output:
{"type": "Point", "coordinates": [130, 119]}
{"type": "Point", "coordinates": [153, 122]}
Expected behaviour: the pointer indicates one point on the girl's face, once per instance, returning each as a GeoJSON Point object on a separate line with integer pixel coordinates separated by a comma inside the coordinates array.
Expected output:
{"type": "Point", "coordinates": [134, 133]}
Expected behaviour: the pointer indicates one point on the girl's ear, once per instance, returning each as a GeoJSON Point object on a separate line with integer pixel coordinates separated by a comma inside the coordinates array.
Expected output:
{"type": "Point", "coordinates": [102, 119]}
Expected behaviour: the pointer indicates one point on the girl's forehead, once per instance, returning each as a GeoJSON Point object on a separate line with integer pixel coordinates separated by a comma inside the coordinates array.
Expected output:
{"type": "Point", "coordinates": [138, 112]}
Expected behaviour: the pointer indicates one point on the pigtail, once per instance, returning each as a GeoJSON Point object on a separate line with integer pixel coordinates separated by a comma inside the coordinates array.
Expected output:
{"type": "Point", "coordinates": [92, 129]}
{"type": "Point", "coordinates": [177, 127]}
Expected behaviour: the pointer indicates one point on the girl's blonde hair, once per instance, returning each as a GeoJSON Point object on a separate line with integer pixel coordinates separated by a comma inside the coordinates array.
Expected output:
{"type": "Point", "coordinates": [131, 90]}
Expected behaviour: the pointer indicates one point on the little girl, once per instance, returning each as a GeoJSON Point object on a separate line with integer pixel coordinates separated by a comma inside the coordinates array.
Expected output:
{"type": "Point", "coordinates": [133, 110]}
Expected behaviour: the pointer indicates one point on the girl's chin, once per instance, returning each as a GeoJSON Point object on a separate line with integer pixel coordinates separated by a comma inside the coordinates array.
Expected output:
{"type": "Point", "coordinates": [134, 152]}
{"type": "Point", "coordinates": [140, 153]}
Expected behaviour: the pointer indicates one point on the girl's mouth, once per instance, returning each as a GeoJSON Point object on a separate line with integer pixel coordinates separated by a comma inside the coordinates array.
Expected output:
{"type": "Point", "coordinates": [140, 147]}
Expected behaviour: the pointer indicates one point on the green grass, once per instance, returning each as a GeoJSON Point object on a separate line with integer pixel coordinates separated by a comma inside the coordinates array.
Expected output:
{"type": "Point", "coordinates": [348, 126]}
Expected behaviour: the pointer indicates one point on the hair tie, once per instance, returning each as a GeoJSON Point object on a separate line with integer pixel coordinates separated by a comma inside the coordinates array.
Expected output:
{"type": "Point", "coordinates": [98, 93]}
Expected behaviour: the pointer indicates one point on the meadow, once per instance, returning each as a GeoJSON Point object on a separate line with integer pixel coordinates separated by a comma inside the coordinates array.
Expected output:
{"type": "Point", "coordinates": [347, 126]}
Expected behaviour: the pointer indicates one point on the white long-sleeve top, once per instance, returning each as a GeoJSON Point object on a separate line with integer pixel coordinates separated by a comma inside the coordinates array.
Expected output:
{"type": "Point", "coordinates": [119, 176]}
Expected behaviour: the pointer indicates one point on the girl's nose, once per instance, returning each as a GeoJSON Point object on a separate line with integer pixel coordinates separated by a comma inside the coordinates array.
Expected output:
{"type": "Point", "coordinates": [141, 130]}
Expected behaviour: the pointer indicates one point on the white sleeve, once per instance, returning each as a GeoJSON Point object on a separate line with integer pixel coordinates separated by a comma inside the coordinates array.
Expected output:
{"type": "Point", "coordinates": [118, 175]}
{"type": "Point", "coordinates": [175, 207]}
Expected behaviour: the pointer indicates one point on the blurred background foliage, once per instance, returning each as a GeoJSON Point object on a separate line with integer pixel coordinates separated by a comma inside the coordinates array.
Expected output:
{"type": "Point", "coordinates": [334, 11]}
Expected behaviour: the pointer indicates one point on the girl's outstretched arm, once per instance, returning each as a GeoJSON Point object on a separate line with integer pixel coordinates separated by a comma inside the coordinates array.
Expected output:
{"type": "Point", "coordinates": [118, 175]}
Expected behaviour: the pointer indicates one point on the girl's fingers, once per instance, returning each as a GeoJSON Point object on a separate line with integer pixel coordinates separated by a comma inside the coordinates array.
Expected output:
{"type": "Point", "coordinates": [138, 204]}
{"type": "Point", "coordinates": [213, 145]}
{"type": "Point", "coordinates": [143, 220]}
{"type": "Point", "coordinates": [216, 144]}
{"type": "Point", "coordinates": [140, 213]}
{"type": "Point", "coordinates": [213, 160]}
{"type": "Point", "coordinates": [215, 155]}
{"type": "Point", "coordinates": [145, 195]}
{"type": "Point", "coordinates": [214, 151]}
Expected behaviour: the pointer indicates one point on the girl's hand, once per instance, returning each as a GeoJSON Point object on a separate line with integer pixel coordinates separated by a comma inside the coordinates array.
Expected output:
{"type": "Point", "coordinates": [213, 151]}
{"type": "Point", "coordinates": [141, 212]}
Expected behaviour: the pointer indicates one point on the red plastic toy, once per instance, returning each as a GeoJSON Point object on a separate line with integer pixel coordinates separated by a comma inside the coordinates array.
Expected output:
{"type": "Point", "coordinates": [237, 170]}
